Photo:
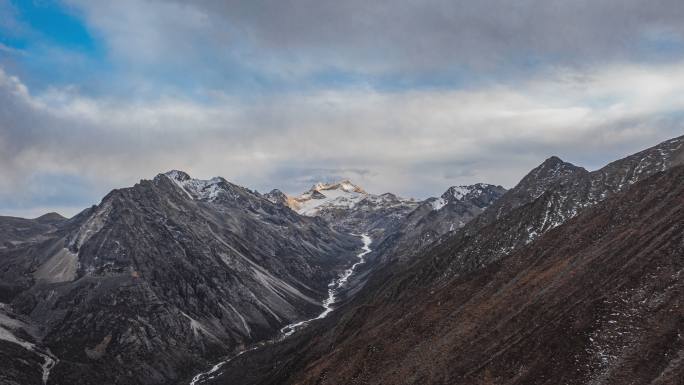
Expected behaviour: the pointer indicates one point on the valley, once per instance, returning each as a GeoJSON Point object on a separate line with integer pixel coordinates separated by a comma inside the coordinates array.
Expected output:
{"type": "Point", "coordinates": [333, 288]}
{"type": "Point", "coordinates": [180, 280]}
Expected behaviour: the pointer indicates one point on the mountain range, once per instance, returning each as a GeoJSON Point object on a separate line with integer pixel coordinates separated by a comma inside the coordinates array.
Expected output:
{"type": "Point", "coordinates": [571, 276]}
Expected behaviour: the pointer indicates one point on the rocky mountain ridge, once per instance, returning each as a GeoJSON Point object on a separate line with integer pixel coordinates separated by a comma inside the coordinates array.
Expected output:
{"type": "Point", "coordinates": [601, 294]}
{"type": "Point", "coordinates": [560, 233]}
{"type": "Point", "coordinates": [435, 218]}
{"type": "Point", "coordinates": [161, 278]}
{"type": "Point", "coordinates": [347, 206]}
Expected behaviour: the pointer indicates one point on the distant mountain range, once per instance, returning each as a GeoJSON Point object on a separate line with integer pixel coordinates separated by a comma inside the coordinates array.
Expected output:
{"type": "Point", "coordinates": [571, 276]}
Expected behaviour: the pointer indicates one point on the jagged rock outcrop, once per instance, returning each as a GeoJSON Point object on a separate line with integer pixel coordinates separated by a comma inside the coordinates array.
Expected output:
{"type": "Point", "coordinates": [278, 197]}
{"type": "Point", "coordinates": [435, 218]}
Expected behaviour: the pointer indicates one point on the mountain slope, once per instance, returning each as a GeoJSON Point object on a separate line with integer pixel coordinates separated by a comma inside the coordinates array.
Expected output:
{"type": "Point", "coordinates": [575, 188]}
{"type": "Point", "coordinates": [161, 276]}
{"type": "Point", "coordinates": [435, 218]}
{"type": "Point", "coordinates": [597, 300]}
{"type": "Point", "coordinates": [377, 337]}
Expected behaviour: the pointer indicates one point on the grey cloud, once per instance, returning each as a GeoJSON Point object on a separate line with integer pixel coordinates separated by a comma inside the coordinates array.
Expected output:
{"type": "Point", "coordinates": [388, 37]}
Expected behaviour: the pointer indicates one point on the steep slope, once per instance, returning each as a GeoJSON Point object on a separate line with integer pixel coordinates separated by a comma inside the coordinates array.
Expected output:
{"type": "Point", "coordinates": [598, 300]}
{"type": "Point", "coordinates": [435, 218]}
{"type": "Point", "coordinates": [164, 277]}
{"type": "Point", "coordinates": [573, 188]}
{"type": "Point", "coordinates": [376, 331]}
{"type": "Point", "coordinates": [16, 235]}
{"type": "Point", "coordinates": [22, 361]}
{"type": "Point", "coordinates": [532, 186]}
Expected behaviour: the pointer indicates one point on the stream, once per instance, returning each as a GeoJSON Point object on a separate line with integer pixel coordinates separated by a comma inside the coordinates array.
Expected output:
{"type": "Point", "coordinates": [333, 289]}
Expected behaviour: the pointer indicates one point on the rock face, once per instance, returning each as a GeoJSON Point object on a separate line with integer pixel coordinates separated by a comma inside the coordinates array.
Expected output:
{"type": "Point", "coordinates": [278, 197]}
{"type": "Point", "coordinates": [163, 277]}
{"type": "Point", "coordinates": [16, 236]}
{"type": "Point", "coordinates": [22, 361]}
{"type": "Point", "coordinates": [570, 277]}
{"type": "Point", "coordinates": [400, 226]}
{"type": "Point", "coordinates": [435, 218]}
{"type": "Point", "coordinates": [596, 300]}
{"type": "Point", "coordinates": [561, 190]}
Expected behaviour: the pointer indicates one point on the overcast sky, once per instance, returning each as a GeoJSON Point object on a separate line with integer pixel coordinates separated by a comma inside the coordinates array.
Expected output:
{"type": "Point", "coordinates": [403, 96]}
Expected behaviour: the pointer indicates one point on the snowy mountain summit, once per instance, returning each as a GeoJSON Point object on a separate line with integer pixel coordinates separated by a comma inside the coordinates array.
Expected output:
{"type": "Point", "coordinates": [347, 206]}
{"type": "Point", "coordinates": [339, 195]}
{"type": "Point", "coordinates": [479, 194]}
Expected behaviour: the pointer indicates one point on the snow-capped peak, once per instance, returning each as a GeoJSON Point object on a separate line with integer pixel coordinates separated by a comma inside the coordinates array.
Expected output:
{"type": "Point", "coordinates": [344, 185]}
{"type": "Point", "coordinates": [464, 193]}
{"type": "Point", "coordinates": [197, 188]}
{"type": "Point", "coordinates": [460, 192]}
{"type": "Point", "coordinates": [342, 194]}
{"type": "Point", "coordinates": [177, 175]}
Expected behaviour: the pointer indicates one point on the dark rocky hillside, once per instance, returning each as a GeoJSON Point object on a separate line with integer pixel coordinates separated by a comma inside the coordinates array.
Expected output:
{"type": "Point", "coordinates": [570, 277]}
{"type": "Point", "coordinates": [598, 300]}
{"type": "Point", "coordinates": [160, 279]}
{"type": "Point", "coordinates": [514, 297]}
{"type": "Point", "coordinates": [435, 218]}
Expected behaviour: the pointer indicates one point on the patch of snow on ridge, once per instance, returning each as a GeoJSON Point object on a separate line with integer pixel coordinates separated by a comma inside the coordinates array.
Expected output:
{"type": "Point", "coordinates": [198, 189]}
{"type": "Point", "coordinates": [459, 192]}
{"type": "Point", "coordinates": [438, 203]}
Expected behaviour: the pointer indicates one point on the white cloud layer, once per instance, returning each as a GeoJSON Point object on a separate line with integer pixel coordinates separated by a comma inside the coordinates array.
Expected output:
{"type": "Point", "coordinates": [413, 142]}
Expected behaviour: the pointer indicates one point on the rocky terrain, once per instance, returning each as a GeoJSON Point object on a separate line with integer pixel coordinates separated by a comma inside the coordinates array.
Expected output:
{"type": "Point", "coordinates": [571, 277]}
{"type": "Point", "coordinates": [349, 207]}
{"type": "Point", "coordinates": [401, 227]}
{"type": "Point", "coordinates": [597, 300]}
{"type": "Point", "coordinates": [162, 278]}
{"type": "Point", "coordinates": [435, 219]}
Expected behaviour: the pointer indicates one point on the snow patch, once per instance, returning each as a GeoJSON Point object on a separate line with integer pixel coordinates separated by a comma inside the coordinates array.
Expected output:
{"type": "Point", "coordinates": [438, 203]}
{"type": "Point", "coordinates": [198, 189]}
{"type": "Point", "coordinates": [197, 327]}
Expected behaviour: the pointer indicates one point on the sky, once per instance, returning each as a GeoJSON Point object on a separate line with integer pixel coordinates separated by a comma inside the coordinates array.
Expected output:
{"type": "Point", "coordinates": [401, 96]}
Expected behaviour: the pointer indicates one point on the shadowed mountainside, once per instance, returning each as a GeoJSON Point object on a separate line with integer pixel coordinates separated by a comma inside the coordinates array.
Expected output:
{"type": "Point", "coordinates": [577, 282]}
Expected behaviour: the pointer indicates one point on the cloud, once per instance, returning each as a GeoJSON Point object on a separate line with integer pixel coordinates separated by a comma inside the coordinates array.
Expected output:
{"type": "Point", "coordinates": [401, 96]}
{"type": "Point", "coordinates": [412, 142]}
{"type": "Point", "coordinates": [301, 38]}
